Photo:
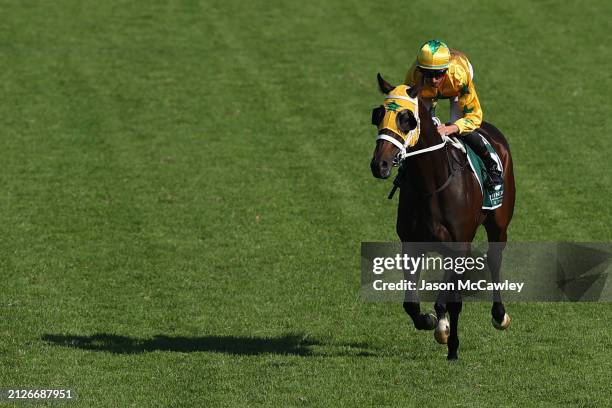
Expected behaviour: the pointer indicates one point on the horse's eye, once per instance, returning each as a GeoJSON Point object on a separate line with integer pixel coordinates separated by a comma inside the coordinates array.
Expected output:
{"type": "Point", "coordinates": [377, 115]}
{"type": "Point", "coordinates": [406, 121]}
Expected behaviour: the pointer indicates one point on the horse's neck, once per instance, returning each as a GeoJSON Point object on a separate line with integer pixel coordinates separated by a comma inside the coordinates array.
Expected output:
{"type": "Point", "coordinates": [428, 135]}
{"type": "Point", "coordinates": [432, 167]}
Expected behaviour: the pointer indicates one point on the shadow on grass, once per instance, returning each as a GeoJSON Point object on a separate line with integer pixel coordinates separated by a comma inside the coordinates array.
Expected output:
{"type": "Point", "coordinates": [291, 344]}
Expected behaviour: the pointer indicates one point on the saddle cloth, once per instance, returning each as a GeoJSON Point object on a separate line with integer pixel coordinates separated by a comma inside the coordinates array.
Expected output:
{"type": "Point", "coordinates": [490, 200]}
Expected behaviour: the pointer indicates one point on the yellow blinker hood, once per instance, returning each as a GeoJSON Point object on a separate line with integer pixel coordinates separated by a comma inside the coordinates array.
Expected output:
{"type": "Point", "coordinates": [396, 101]}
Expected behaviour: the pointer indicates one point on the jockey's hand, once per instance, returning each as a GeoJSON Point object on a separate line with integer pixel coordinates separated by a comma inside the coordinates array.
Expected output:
{"type": "Point", "coordinates": [448, 130]}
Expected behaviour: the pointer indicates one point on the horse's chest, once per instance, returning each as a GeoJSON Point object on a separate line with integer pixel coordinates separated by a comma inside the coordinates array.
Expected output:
{"type": "Point", "coordinates": [427, 221]}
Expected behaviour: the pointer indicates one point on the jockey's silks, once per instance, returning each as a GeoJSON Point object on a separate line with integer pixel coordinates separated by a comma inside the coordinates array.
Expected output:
{"type": "Point", "coordinates": [458, 83]}
{"type": "Point", "coordinates": [393, 106]}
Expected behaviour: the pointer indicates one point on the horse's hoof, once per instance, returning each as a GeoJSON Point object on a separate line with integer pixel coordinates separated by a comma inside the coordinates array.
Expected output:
{"type": "Point", "coordinates": [504, 324]}
{"type": "Point", "coordinates": [442, 331]}
{"type": "Point", "coordinates": [452, 357]}
{"type": "Point", "coordinates": [428, 322]}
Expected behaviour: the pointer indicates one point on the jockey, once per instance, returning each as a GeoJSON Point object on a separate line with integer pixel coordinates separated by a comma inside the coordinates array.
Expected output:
{"type": "Point", "coordinates": [443, 73]}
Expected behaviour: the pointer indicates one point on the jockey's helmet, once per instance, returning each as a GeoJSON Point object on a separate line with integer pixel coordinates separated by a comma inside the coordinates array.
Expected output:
{"type": "Point", "coordinates": [434, 55]}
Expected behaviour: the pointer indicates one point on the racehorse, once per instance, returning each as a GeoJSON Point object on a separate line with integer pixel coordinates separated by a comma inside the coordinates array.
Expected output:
{"type": "Point", "coordinates": [440, 200]}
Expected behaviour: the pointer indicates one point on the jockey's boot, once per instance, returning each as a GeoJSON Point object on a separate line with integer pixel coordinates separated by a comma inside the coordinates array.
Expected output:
{"type": "Point", "coordinates": [474, 140]}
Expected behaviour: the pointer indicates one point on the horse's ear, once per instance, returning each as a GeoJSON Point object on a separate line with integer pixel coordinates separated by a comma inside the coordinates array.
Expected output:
{"type": "Point", "coordinates": [383, 85]}
{"type": "Point", "coordinates": [413, 91]}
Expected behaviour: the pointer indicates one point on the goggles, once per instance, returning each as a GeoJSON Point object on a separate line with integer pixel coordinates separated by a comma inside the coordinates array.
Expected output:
{"type": "Point", "coordinates": [432, 73]}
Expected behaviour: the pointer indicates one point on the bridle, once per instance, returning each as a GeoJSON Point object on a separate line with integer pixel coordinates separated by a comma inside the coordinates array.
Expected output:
{"type": "Point", "coordinates": [403, 152]}
{"type": "Point", "coordinates": [412, 135]}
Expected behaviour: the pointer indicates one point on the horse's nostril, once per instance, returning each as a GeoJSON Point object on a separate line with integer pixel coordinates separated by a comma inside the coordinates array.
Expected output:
{"type": "Point", "coordinates": [384, 165]}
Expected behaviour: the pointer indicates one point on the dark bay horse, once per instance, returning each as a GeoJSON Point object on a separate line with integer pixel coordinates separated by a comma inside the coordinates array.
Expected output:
{"type": "Point", "coordinates": [440, 199]}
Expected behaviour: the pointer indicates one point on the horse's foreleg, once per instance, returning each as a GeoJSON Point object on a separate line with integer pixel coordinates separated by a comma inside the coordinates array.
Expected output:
{"type": "Point", "coordinates": [454, 309]}
{"type": "Point", "coordinates": [412, 304]}
{"type": "Point", "coordinates": [454, 304]}
{"type": "Point", "coordinates": [420, 320]}
{"type": "Point", "coordinates": [442, 332]}
{"type": "Point", "coordinates": [443, 328]}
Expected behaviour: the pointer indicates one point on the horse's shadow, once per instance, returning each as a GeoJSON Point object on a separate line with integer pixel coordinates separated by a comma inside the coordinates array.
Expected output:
{"type": "Point", "coordinates": [289, 344]}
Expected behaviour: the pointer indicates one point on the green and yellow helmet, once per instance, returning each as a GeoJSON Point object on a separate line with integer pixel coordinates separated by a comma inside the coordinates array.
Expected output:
{"type": "Point", "coordinates": [434, 54]}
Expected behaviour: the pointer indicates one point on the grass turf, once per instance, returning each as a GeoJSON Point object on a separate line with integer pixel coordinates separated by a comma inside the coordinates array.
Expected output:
{"type": "Point", "coordinates": [185, 186]}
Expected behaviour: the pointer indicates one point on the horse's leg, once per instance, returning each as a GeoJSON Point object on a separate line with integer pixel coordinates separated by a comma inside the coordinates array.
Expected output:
{"type": "Point", "coordinates": [454, 307]}
{"type": "Point", "coordinates": [440, 307]}
{"type": "Point", "coordinates": [412, 304]}
{"type": "Point", "coordinates": [443, 328]}
{"type": "Point", "coordinates": [497, 242]}
{"type": "Point", "coordinates": [497, 223]}
{"type": "Point", "coordinates": [454, 304]}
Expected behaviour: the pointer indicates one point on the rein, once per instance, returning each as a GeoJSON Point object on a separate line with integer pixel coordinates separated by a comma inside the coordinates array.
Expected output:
{"type": "Point", "coordinates": [399, 178]}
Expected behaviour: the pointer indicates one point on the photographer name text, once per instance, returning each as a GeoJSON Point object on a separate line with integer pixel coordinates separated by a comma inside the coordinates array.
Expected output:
{"type": "Point", "coordinates": [480, 285]}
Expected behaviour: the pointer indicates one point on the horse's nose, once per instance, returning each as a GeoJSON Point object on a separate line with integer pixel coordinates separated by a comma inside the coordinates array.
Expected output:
{"type": "Point", "coordinates": [375, 168]}
{"type": "Point", "coordinates": [385, 169]}
{"type": "Point", "coordinates": [380, 169]}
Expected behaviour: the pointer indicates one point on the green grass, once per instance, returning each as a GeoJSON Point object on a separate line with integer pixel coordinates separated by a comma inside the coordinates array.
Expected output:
{"type": "Point", "coordinates": [185, 186]}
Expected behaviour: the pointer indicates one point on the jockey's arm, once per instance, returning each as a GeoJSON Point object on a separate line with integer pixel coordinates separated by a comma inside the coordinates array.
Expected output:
{"type": "Point", "coordinates": [470, 106]}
